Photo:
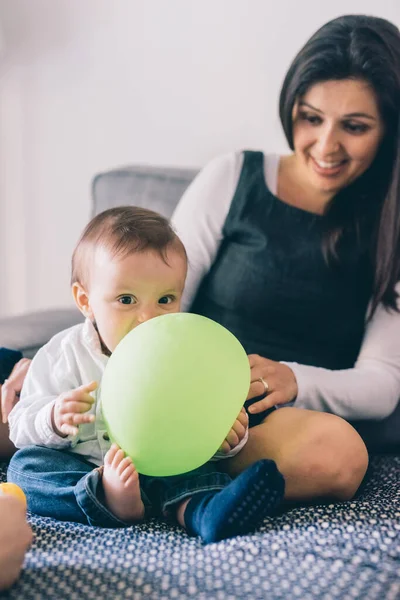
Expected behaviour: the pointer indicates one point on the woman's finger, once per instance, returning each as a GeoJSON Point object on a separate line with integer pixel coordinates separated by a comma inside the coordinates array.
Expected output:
{"type": "Point", "coordinates": [267, 402]}
{"type": "Point", "coordinates": [255, 360]}
{"type": "Point", "coordinates": [9, 398]}
{"type": "Point", "coordinates": [257, 388]}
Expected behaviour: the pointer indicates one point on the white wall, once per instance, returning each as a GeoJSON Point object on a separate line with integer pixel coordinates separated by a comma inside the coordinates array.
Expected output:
{"type": "Point", "coordinates": [87, 85]}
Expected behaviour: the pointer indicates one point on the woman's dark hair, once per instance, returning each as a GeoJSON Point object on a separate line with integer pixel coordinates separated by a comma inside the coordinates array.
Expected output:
{"type": "Point", "coordinates": [363, 48]}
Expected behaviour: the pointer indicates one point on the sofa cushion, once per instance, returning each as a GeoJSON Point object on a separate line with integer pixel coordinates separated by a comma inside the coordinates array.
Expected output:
{"type": "Point", "coordinates": [156, 188]}
{"type": "Point", "coordinates": [30, 331]}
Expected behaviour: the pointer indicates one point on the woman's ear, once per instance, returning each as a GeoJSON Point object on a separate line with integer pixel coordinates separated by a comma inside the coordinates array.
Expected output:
{"type": "Point", "coordinates": [81, 298]}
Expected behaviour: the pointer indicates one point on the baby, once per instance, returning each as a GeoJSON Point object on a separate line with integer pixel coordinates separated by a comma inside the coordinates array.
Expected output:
{"type": "Point", "coordinates": [128, 267]}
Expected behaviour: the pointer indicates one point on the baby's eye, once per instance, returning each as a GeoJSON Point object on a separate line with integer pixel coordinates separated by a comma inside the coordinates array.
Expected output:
{"type": "Point", "coordinates": [126, 299]}
{"type": "Point", "coordinates": [166, 299]}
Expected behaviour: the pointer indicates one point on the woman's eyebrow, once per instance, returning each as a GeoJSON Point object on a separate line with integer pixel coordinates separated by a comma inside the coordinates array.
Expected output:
{"type": "Point", "coordinates": [347, 116]}
{"type": "Point", "coordinates": [360, 114]}
{"type": "Point", "coordinates": [302, 103]}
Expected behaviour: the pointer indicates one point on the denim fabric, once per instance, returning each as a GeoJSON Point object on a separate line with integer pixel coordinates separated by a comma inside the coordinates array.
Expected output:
{"type": "Point", "coordinates": [8, 358]}
{"type": "Point", "coordinates": [271, 286]}
{"type": "Point", "coordinates": [164, 492]}
{"type": "Point", "coordinates": [61, 485]}
{"type": "Point", "coordinates": [65, 486]}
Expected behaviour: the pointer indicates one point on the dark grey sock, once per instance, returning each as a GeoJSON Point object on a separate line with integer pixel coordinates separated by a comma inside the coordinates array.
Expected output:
{"type": "Point", "coordinates": [238, 508]}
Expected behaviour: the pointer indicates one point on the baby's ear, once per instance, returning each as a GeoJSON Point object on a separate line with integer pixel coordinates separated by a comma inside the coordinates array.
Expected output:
{"type": "Point", "coordinates": [81, 298]}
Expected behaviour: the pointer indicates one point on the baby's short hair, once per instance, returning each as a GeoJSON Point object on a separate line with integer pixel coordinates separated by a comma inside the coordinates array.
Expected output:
{"type": "Point", "coordinates": [122, 231]}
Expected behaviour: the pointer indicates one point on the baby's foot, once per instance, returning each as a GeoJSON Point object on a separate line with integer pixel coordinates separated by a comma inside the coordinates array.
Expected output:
{"type": "Point", "coordinates": [121, 486]}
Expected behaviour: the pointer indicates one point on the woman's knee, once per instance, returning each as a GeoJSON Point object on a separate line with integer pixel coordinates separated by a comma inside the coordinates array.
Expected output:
{"type": "Point", "coordinates": [330, 451]}
{"type": "Point", "coordinates": [352, 462]}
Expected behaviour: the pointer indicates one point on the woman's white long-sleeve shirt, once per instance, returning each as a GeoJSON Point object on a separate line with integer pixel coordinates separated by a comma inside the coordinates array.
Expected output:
{"type": "Point", "coordinates": [370, 390]}
{"type": "Point", "coordinates": [70, 359]}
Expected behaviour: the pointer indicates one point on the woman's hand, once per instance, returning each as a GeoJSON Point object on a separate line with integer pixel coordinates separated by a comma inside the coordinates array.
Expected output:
{"type": "Point", "coordinates": [280, 383]}
{"type": "Point", "coordinates": [15, 538]}
{"type": "Point", "coordinates": [237, 432]}
{"type": "Point", "coordinates": [11, 388]}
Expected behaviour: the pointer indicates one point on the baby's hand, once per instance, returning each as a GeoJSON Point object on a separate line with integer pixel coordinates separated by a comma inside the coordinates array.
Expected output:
{"type": "Point", "coordinates": [237, 432]}
{"type": "Point", "coordinates": [69, 408]}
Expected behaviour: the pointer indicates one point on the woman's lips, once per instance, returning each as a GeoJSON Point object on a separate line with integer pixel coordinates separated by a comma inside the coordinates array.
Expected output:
{"type": "Point", "coordinates": [328, 169]}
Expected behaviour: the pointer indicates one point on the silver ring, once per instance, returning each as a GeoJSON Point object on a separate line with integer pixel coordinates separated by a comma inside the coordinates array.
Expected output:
{"type": "Point", "coordinates": [265, 384]}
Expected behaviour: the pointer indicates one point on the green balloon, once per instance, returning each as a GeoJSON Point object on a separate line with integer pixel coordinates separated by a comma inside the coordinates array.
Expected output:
{"type": "Point", "coordinates": [172, 390]}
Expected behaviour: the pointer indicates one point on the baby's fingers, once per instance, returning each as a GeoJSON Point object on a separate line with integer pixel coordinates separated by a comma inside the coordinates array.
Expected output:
{"type": "Point", "coordinates": [82, 393]}
{"type": "Point", "coordinates": [239, 429]}
{"type": "Point", "coordinates": [75, 407]}
{"type": "Point", "coordinates": [77, 418]}
{"type": "Point", "coordinates": [70, 422]}
{"type": "Point", "coordinates": [232, 438]}
{"type": "Point", "coordinates": [87, 387]}
{"type": "Point", "coordinates": [243, 418]}
{"type": "Point", "coordinates": [67, 429]}
{"type": "Point", "coordinates": [225, 447]}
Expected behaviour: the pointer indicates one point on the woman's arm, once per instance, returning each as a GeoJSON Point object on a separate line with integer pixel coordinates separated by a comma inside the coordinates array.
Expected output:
{"type": "Point", "coordinates": [371, 390]}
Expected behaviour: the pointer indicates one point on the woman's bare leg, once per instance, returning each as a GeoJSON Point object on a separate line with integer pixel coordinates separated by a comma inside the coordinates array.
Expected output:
{"type": "Point", "coordinates": [319, 455]}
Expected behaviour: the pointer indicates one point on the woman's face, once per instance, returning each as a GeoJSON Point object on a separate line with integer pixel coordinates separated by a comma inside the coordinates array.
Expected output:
{"type": "Point", "coordinates": [337, 130]}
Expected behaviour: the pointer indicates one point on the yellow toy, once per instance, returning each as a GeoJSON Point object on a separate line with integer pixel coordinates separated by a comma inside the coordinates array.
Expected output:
{"type": "Point", "coordinates": [12, 489]}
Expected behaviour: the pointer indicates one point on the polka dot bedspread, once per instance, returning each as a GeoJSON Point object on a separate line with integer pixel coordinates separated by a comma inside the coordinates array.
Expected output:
{"type": "Point", "coordinates": [325, 551]}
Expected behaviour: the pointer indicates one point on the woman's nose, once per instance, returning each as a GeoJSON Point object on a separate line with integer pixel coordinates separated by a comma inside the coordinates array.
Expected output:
{"type": "Point", "coordinates": [328, 143]}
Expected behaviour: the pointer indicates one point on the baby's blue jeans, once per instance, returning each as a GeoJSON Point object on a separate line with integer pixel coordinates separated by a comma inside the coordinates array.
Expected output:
{"type": "Point", "coordinates": [65, 486]}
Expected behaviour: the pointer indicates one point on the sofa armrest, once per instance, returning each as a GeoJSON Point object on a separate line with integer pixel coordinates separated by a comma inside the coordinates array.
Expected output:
{"type": "Point", "coordinates": [28, 332]}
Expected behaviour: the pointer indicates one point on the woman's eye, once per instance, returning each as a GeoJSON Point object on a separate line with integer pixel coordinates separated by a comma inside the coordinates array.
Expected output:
{"type": "Point", "coordinates": [126, 300]}
{"type": "Point", "coordinates": [312, 119]}
{"type": "Point", "coordinates": [166, 299]}
{"type": "Point", "coordinates": [356, 127]}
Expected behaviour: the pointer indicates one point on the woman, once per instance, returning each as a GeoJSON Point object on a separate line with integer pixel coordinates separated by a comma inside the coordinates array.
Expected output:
{"type": "Point", "coordinates": [299, 257]}
{"type": "Point", "coordinates": [13, 369]}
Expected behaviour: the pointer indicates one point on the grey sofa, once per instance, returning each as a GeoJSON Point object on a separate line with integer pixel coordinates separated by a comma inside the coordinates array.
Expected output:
{"type": "Point", "coordinates": [325, 551]}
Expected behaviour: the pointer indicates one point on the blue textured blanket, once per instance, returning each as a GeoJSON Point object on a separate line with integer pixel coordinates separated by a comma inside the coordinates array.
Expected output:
{"type": "Point", "coordinates": [347, 550]}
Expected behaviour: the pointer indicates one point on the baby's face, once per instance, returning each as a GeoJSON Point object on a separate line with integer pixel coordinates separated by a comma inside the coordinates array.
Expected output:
{"type": "Point", "coordinates": [125, 292]}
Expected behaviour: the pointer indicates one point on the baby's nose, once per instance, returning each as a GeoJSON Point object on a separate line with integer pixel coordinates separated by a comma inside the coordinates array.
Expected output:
{"type": "Point", "coordinates": [146, 314]}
